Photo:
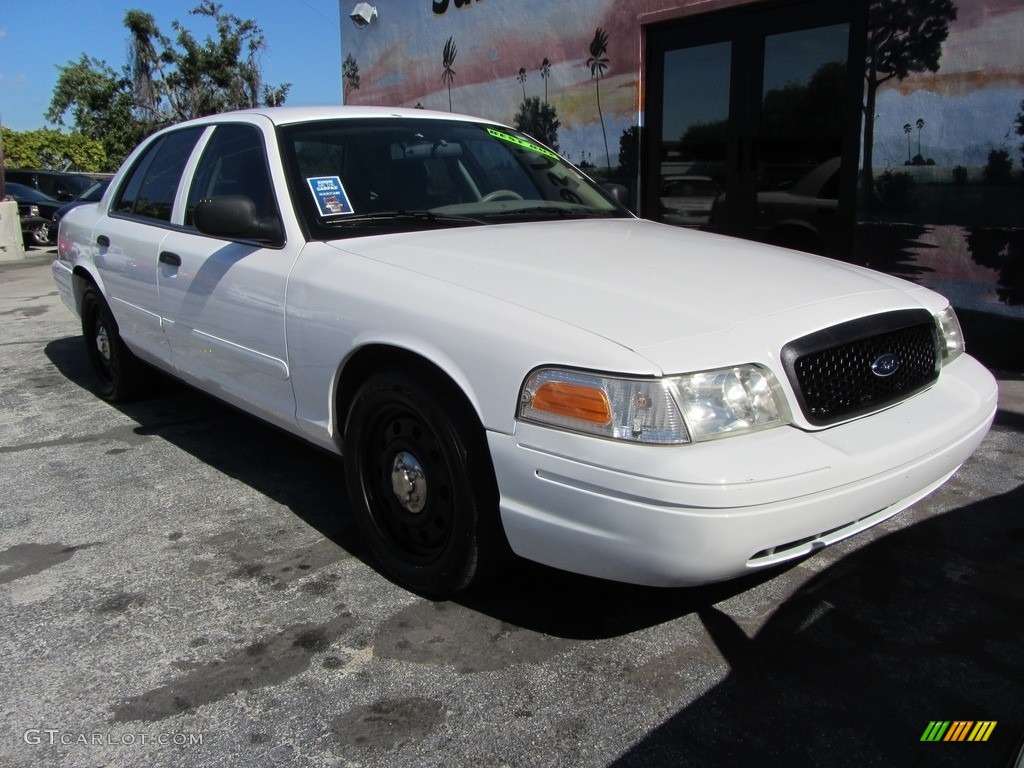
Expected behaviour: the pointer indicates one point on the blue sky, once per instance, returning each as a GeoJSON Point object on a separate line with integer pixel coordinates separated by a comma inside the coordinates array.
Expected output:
{"type": "Point", "coordinates": [35, 38]}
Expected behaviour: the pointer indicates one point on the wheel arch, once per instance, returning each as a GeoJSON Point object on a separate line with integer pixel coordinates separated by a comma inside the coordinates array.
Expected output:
{"type": "Point", "coordinates": [82, 278]}
{"type": "Point", "coordinates": [370, 358]}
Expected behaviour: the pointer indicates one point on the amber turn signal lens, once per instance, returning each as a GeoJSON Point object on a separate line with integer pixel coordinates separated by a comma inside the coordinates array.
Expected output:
{"type": "Point", "coordinates": [574, 401]}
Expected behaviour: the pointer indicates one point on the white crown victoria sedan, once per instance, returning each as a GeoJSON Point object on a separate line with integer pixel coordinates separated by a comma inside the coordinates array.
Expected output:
{"type": "Point", "coordinates": [506, 358]}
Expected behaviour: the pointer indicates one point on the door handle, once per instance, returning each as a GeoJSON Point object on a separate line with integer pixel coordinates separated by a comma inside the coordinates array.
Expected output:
{"type": "Point", "coordinates": [171, 259]}
{"type": "Point", "coordinates": [103, 241]}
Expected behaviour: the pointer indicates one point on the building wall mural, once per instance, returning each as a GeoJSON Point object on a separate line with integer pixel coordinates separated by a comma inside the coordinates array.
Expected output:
{"type": "Point", "coordinates": [580, 58]}
{"type": "Point", "coordinates": [947, 208]}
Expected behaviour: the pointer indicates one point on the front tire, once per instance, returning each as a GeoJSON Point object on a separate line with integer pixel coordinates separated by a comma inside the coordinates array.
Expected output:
{"type": "Point", "coordinates": [121, 374]}
{"type": "Point", "coordinates": [421, 483]}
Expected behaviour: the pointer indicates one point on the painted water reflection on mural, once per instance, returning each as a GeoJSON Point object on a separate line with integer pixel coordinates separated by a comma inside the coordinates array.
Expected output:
{"type": "Point", "coordinates": [942, 191]}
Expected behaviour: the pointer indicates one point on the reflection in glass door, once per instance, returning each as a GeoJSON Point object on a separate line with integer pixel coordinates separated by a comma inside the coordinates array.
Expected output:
{"type": "Point", "coordinates": [695, 143]}
{"type": "Point", "coordinates": [755, 114]}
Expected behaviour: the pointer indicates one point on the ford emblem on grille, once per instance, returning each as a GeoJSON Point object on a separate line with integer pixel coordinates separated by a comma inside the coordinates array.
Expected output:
{"type": "Point", "coordinates": [885, 365]}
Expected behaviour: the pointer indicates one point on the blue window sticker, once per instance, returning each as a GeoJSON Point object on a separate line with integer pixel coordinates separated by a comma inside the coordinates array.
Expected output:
{"type": "Point", "coordinates": [330, 196]}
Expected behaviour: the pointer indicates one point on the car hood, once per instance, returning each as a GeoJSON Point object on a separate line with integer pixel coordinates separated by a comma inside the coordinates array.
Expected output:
{"type": "Point", "coordinates": [635, 282]}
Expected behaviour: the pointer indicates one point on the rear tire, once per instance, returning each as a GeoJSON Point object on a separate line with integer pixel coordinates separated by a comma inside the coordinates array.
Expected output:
{"type": "Point", "coordinates": [421, 483]}
{"type": "Point", "coordinates": [121, 374]}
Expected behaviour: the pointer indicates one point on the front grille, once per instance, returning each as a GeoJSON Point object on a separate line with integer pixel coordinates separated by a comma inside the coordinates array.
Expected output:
{"type": "Point", "coordinates": [862, 366]}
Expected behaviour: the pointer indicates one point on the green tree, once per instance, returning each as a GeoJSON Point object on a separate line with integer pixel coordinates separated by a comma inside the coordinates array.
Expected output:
{"type": "Point", "coordinates": [903, 37]}
{"type": "Point", "coordinates": [598, 63]}
{"type": "Point", "coordinates": [538, 120]}
{"type": "Point", "coordinates": [52, 149]}
{"type": "Point", "coordinates": [350, 74]}
{"type": "Point", "coordinates": [448, 74]}
{"type": "Point", "coordinates": [164, 81]}
{"type": "Point", "coordinates": [97, 101]}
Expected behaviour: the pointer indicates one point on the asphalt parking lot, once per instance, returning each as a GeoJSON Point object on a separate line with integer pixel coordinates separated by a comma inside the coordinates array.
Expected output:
{"type": "Point", "coordinates": [182, 585]}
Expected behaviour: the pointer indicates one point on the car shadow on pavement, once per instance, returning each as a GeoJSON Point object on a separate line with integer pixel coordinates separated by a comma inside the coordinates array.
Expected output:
{"type": "Point", "coordinates": [921, 625]}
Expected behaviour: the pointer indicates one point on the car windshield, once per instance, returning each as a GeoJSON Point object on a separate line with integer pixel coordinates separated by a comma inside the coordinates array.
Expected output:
{"type": "Point", "coordinates": [357, 176]}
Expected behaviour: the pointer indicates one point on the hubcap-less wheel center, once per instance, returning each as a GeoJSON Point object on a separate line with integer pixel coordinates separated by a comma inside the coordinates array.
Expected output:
{"type": "Point", "coordinates": [409, 482]}
{"type": "Point", "coordinates": [103, 342]}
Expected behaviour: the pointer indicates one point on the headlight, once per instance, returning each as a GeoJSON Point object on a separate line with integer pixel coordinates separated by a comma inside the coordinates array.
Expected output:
{"type": "Point", "coordinates": [951, 337]}
{"type": "Point", "coordinates": [740, 399]}
{"type": "Point", "coordinates": [665, 411]}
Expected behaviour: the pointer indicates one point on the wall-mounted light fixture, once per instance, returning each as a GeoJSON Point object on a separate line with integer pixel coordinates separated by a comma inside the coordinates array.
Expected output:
{"type": "Point", "coordinates": [363, 15]}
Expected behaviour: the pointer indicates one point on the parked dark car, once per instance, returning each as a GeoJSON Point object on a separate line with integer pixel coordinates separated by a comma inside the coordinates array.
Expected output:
{"type": "Point", "coordinates": [36, 211]}
{"type": "Point", "coordinates": [92, 195]}
{"type": "Point", "coordinates": [59, 185]}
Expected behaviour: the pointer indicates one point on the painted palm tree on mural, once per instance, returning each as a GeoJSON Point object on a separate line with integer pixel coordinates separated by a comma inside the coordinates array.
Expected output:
{"type": "Point", "coordinates": [598, 63]}
{"type": "Point", "coordinates": [448, 76]}
{"type": "Point", "coordinates": [522, 79]}
{"type": "Point", "coordinates": [920, 127]}
{"type": "Point", "coordinates": [907, 129]}
{"type": "Point", "coordinates": [545, 73]}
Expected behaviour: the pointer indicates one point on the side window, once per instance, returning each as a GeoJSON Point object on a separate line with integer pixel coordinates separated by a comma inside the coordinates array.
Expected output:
{"type": "Point", "coordinates": [233, 163]}
{"type": "Point", "coordinates": [150, 188]}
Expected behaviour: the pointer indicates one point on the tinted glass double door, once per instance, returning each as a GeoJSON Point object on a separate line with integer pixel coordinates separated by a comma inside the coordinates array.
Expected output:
{"type": "Point", "coordinates": [753, 121]}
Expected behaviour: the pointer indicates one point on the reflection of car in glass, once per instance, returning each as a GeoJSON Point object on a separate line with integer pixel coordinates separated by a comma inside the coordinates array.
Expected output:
{"type": "Point", "coordinates": [804, 215]}
{"type": "Point", "coordinates": [35, 210]}
{"type": "Point", "coordinates": [687, 200]}
{"type": "Point", "coordinates": [505, 357]}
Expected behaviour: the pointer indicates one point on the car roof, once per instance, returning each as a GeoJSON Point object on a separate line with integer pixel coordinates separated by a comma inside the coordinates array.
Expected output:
{"type": "Point", "coordinates": [292, 115]}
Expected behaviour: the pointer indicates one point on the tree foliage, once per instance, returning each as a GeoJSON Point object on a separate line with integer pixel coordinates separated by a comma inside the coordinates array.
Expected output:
{"type": "Point", "coordinates": [629, 152]}
{"type": "Point", "coordinates": [97, 101]}
{"type": "Point", "coordinates": [539, 120]}
{"type": "Point", "coordinates": [165, 81]}
{"type": "Point", "coordinates": [903, 37]}
{"type": "Point", "coordinates": [1019, 128]}
{"type": "Point", "coordinates": [53, 150]}
{"type": "Point", "coordinates": [350, 75]}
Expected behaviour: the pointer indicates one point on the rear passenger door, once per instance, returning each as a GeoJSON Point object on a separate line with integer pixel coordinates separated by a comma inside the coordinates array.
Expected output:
{"type": "Point", "coordinates": [128, 239]}
{"type": "Point", "coordinates": [222, 301]}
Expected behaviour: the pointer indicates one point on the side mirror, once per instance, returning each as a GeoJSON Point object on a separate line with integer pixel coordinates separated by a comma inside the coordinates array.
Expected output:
{"type": "Point", "coordinates": [234, 217]}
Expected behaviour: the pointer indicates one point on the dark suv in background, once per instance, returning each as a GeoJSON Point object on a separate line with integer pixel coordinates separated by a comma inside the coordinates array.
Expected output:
{"type": "Point", "coordinates": [57, 184]}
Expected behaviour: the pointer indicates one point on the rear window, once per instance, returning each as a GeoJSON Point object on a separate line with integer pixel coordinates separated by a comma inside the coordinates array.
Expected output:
{"type": "Point", "coordinates": [152, 185]}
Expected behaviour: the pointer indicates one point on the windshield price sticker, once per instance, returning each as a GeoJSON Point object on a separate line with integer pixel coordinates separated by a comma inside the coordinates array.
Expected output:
{"type": "Point", "coordinates": [522, 143]}
{"type": "Point", "coordinates": [330, 196]}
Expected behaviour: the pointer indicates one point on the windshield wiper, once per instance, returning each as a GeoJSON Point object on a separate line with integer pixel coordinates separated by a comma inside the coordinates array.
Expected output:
{"type": "Point", "coordinates": [549, 212]}
{"type": "Point", "coordinates": [398, 217]}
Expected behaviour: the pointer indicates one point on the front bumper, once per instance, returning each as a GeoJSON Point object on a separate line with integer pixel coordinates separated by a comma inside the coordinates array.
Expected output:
{"type": "Point", "coordinates": [685, 515]}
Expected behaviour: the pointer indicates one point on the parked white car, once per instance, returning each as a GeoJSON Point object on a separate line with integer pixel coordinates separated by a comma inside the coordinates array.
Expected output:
{"type": "Point", "coordinates": [504, 356]}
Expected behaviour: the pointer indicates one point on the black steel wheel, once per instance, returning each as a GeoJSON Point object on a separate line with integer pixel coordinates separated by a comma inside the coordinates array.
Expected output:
{"type": "Point", "coordinates": [120, 373]}
{"type": "Point", "coordinates": [421, 483]}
